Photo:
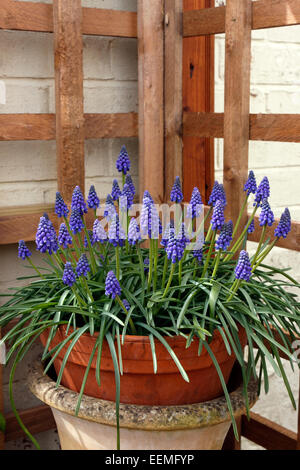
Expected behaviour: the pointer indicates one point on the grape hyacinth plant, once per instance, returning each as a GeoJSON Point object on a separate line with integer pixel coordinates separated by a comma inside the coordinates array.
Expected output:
{"type": "Point", "coordinates": [130, 272]}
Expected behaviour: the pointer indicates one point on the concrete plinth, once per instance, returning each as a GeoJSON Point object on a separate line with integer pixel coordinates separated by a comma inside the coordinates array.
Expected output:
{"type": "Point", "coordinates": [201, 426]}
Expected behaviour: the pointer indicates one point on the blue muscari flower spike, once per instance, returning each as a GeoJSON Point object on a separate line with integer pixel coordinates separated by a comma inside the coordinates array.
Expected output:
{"type": "Point", "coordinates": [166, 235]}
{"type": "Point", "coordinates": [64, 238]}
{"type": "Point", "coordinates": [222, 195]}
{"type": "Point", "coordinates": [284, 226]}
{"type": "Point", "coordinates": [83, 267]}
{"type": "Point", "coordinates": [146, 264]}
{"type": "Point", "coordinates": [176, 192]}
{"type": "Point", "coordinates": [251, 227]}
{"type": "Point", "coordinates": [46, 239]}
{"type": "Point", "coordinates": [225, 237]}
{"type": "Point", "coordinates": [99, 234]}
{"type": "Point", "coordinates": [250, 186]}
{"type": "Point", "coordinates": [134, 235]}
{"type": "Point", "coordinates": [78, 201]}
{"type": "Point", "coordinates": [150, 222]}
{"type": "Point", "coordinates": [76, 222]}
{"type": "Point", "coordinates": [195, 206]}
{"type": "Point", "coordinates": [92, 240]}
{"type": "Point", "coordinates": [123, 162]}
{"type": "Point", "coordinates": [116, 191]}
{"type": "Point", "coordinates": [116, 234]}
{"type": "Point", "coordinates": [110, 210]}
{"type": "Point", "coordinates": [126, 304]}
{"type": "Point", "coordinates": [175, 248]}
{"type": "Point", "coordinates": [93, 201]}
{"type": "Point", "coordinates": [23, 251]}
{"type": "Point", "coordinates": [126, 199]}
{"type": "Point", "coordinates": [129, 181]}
{"type": "Point", "coordinates": [266, 216]}
{"type": "Point", "coordinates": [215, 194]}
{"type": "Point", "coordinates": [112, 285]}
{"type": "Point", "coordinates": [198, 255]}
{"type": "Point", "coordinates": [61, 208]}
{"type": "Point", "coordinates": [263, 191]}
{"type": "Point", "coordinates": [182, 235]}
{"type": "Point", "coordinates": [218, 219]}
{"type": "Point", "coordinates": [69, 277]}
{"type": "Point", "coordinates": [243, 269]}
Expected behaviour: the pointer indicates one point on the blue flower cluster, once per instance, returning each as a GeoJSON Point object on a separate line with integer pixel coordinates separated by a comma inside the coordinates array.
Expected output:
{"type": "Point", "coordinates": [243, 270]}
{"type": "Point", "coordinates": [116, 191]}
{"type": "Point", "coordinates": [250, 186]}
{"type": "Point", "coordinates": [263, 191]}
{"type": "Point", "coordinates": [116, 234]}
{"type": "Point", "coordinates": [64, 238]}
{"type": "Point", "coordinates": [61, 208]}
{"type": "Point", "coordinates": [218, 218]}
{"type": "Point", "coordinates": [93, 201]}
{"type": "Point", "coordinates": [78, 202]}
{"type": "Point", "coordinates": [69, 277]}
{"type": "Point", "coordinates": [176, 192]}
{"type": "Point", "coordinates": [195, 206]}
{"type": "Point", "coordinates": [112, 285]}
{"type": "Point", "coordinates": [217, 194]}
{"type": "Point", "coordinates": [83, 267]}
{"type": "Point", "coordinates": [266, 216]}
{"type": "Point", "coordinates": [225, 237]}
{"type": "Point", "coordinates": [284, 226]}
{"type": "Point", "coordinates": [134, 234]}
{"type": "Point", "coordinates": [23, 251]}
{"type": "Point", "coordinates": [123, 162]}
{"type": "Point", "coordinates": [46, 239]}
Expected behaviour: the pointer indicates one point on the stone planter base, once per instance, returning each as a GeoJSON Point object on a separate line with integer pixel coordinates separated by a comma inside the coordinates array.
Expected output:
{"type": "Point", "coordinates": [200, 426]}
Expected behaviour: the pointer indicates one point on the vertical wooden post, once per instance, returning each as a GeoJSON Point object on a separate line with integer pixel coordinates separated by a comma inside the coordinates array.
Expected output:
{"type": "Point", "coordinates": [68, 50]}
{"type": "Point", "coordinates": [236, 119]}
{"type": "Point", "coordinates": [198, 96]}
{"type": "Point", "coordinates": [151, 97]}
{"type": "Point", "coordinates": [237, 99]}
{"type": "Point", "coordinates": [173, 93]}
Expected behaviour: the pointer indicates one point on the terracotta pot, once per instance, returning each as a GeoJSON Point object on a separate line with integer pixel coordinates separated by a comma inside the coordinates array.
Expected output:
{"type": "Point", "coordinates": [201, 426]}
{"type": "Point", "coordinates": [139, 384]}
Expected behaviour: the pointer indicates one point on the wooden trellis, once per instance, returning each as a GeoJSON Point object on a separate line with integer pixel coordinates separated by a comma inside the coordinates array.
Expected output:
{"type": "Point", "coordinates": [174, 36]}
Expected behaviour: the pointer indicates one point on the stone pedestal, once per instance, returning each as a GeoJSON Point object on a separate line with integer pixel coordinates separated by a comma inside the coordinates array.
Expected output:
{"type": "Point", "coordinates": [200, 426]}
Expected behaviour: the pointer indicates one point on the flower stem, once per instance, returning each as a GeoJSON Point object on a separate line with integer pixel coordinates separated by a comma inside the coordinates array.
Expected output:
{"type": "Point", "coordinates": [165, 271]}
{"type": "Point", "coordinates": [91, 251]}
{"type": "Point", "coordinates": [133, 329]}
{"type": "Point", "coordinates": [259, 245]}
{"type": "Point", "coordinates": [35, 268]}
{"type": "Point", "coordinates": [169, 281]}
{"type": "Point", "coordinates": [71, 234]}
{"type": "Point", "coordinates": [212, 244]}
{"type": "Point", "coordinates": [155, 244]}
{"type": "Point", "coordinates": [216, 264]}
{"type": "Point", "coordinates": [235, 286]}
{"type": "Point", "coordinates": [240, 217]}
{"type": "Point", "coordinates": [241, 237]}
{"type": "Point", "coordinates": [264, 254]}
{"type": "Point", "coordinates": [117, 262]}
{"type": "Point", "coordinates": [150, 265]}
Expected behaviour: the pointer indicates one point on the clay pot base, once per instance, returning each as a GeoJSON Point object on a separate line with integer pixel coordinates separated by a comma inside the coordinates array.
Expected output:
{"type": "Point", "coordinates": [200, 426]}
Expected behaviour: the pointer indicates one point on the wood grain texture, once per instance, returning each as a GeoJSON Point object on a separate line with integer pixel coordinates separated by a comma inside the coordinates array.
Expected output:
{"type": "Point", "coordinates": [20, 223]}
{"type": "Point", "coordinates": [265, 127]}
{"type": "Point", "coordinates": [266, 14]}
{"type": "Point", "coordinates": [36, 420]}
{"type": "Point", "coordinates": [237, 103]}
{"type": "Point", "coordinates": [268, 434]}
{"type": "Point", "coordinates": [42, 126]}
{"type": "Point", "coordinates": [292, 242]}
{"type": "Point", "coordinates": [30, 16]}
{"type": "Point", "coordinates": [151, 98]}
{"type": "Point", "coordinates": [173, 93]}
{"type": "Point", "coordinates": [198, 95]}
{"type": "Point", "coordinates": [68, 53]}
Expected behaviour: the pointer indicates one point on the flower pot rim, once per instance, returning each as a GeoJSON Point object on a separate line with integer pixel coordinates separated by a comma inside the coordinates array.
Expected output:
{"type": "Point", "coordinates": [152, 418]}
{"type": "Point", "coordinates": [142, 339]}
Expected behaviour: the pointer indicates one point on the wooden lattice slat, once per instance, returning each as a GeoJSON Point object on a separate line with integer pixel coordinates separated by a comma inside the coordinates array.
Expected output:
{"type": "Point", "coordinates": [265, 127]}
{"type": "Point", "coordinates": [151, 98]}
{"type": "Point", "coordinates": [30, 16]}
{"type": "Point", "coordinates": [266, 14]}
